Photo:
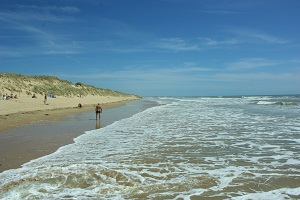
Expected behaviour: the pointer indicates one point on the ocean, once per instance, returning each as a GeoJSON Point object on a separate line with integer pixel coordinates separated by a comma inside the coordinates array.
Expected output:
{"type": "Point", "coordinates": [243, 147]}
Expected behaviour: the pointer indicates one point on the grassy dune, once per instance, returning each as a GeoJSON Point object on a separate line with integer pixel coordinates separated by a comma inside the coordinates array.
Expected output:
{"type": "Point", "coordinates": [18, 83]}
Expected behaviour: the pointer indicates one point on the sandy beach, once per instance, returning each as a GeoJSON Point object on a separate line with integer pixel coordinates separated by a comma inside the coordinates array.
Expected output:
{"type": "Point", "coordinates": [19, 145]}
{"type": "Point", "coordinates": [25, 109]}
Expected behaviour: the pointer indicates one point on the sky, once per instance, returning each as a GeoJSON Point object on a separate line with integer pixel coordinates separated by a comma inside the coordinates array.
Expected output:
{"type": "Point", "coordinates": [157, 47]}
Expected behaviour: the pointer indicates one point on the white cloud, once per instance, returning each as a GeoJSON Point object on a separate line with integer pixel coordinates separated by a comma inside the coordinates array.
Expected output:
{"type": "Point", "coordinates": [149, 73]}
{"type": "Point", "coordinates": [60, 9]}
{"type": "Point", "coordinates": [187, 76]}
{"type": "Point", "coordinates": [251, 63]}
{"type": "Point", "coordinates": [193, 44]}
{"type": "Point", "coordinates": [263, 76]}
{"type": "Point", "coordinates": [259, 63]}
{"type": "Point", "coordinates": [32, 13]}
{"type": "Point", "coordinates": [11, 52]}
{"type": "Point", "coordinates": [253, 35]}
{"type": "Point", "coordinates": [176, 44]}
{"type": "Point", "coordinates": [213, 42]}
{"type": "Point", "coordinates": [31, 39]}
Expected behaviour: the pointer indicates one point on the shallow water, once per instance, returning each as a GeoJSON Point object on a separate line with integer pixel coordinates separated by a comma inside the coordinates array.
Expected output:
{"type": "Point", "coordinates": [186, 148]}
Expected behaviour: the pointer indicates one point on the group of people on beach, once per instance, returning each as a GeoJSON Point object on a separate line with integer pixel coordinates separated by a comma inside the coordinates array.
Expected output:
{"type": "Point", "coordinates": [98, 108]}
{"type": "Point", "coordinates": [8, 97]}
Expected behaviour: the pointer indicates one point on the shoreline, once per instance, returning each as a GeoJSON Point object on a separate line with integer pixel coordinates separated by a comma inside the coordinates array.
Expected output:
{"type": "Point", "coordinates": [20, 142]}
{"type": "Point", "coordinates": [13, 120]}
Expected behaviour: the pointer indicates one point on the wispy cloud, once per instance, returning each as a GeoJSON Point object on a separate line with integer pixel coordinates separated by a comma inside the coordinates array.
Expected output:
{"type": "Point", "coordinates": [193, 44]}
{"type": "Point", "coordinates": [25, 13]}
{"type": "Point", "coordinates": [152, 77]}
{"type": "Point", "coordinates": [251, 63]}
{"type": "Point", "coordinates": [130, 45]}
{"type": "Point", "coordinates": [213, 42]}
{"type": "Point", "coordinates": [176, 44]}
{"type": "Point", "coordinates": [30, 35]}
{"type": "Point", "coordinates": [240, 37]}
{"type": "Point", "coordinates": [11, 52]}
{"type": "Point", "coordinates": [193, 67]}
{"type": "Point", "coordinates": [263, 76]}
{"type": "Point", "coordinates": [150, 73]}
{"type": "Point", "coordinates": [268, 38]}
{"type": "Point", "coordinates": [186, 76]}
{"type": "Point", "coordinates": [253, 36]}
{"type": "Point", "coordinates": [182, 75]}
{"type": "Point", "coordinates": [262, 64]}
{"type": "Point", "coordinates": [60, 9]}
{"type": "Point", "coordinates": [37, 42]}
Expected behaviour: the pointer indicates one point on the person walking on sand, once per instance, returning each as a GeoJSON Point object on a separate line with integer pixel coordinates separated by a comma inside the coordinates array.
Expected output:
{"type": "Point", "coordinates": [98, 110]}
{"type": "Point", "coordinates": [45, 99]}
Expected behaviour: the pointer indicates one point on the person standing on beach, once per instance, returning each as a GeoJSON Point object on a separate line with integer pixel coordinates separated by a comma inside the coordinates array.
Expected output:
{"type": "Point", "coordinates": [98, 110]}
{"type": "Point", "coordinates": [45, 99]}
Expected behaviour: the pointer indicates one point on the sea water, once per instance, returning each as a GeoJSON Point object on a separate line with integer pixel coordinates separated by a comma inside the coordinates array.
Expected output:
{"type": "Point", "coordinates": [185, 148]}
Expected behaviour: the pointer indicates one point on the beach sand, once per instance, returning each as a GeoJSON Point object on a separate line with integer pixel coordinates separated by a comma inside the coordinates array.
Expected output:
{"type": "Point", "coordinates": [30, 129]}
{"type": "Point", "coordinates": [26, 110]}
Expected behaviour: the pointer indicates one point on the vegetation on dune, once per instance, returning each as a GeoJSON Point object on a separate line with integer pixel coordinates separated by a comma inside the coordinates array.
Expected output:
{"type": "Point", "coordinates": [17, 83]}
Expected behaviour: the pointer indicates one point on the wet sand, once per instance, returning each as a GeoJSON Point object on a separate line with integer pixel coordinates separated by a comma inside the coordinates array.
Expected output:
{"type": "Point", "coordinates": [13, 120]}
{"type": "Point", "coordinates": [38, 133]}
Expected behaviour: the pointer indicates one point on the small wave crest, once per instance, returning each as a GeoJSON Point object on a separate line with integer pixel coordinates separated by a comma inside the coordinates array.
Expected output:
{"type": "Point", "coordinates": [265, 102]}
{"type": "Point", "coordinates": [277, 103]}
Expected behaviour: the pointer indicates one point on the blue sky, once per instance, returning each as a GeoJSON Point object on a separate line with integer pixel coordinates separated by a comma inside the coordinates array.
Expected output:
{"type": "Point", "coordinates": [157, 47]}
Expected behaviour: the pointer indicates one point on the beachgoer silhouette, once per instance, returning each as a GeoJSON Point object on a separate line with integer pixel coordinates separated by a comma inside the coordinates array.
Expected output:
{"type": "Point", "coordinates": [98, 110]}
{"type": "Point", "coordinates": [45, 99]}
